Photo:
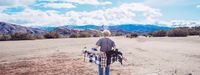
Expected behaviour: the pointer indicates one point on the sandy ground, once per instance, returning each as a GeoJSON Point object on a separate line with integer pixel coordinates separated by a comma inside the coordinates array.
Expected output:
{"type": "Point", "coordinates": [146, 56]}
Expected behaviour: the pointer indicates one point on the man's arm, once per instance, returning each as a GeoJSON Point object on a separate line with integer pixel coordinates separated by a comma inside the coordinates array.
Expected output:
{"type": "Point", "coordinates": [97, 47]}
{"type": "Point", "coordinates": [98, 50]}
{"type": "Point", "coordinates": [114, 46]}
{"type": "Point", "coordinates": [98, 44]}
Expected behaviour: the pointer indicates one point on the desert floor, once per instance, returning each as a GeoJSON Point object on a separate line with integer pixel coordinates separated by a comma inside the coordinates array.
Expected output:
{"type": "Point", "coordinates": [145, 56]}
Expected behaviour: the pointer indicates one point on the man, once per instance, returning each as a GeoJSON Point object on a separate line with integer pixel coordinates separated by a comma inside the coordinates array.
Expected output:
{"type": "Point", "coordinates": [105, 44]}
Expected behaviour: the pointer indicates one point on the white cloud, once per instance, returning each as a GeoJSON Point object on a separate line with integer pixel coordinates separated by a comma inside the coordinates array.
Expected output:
{"type": "Point", "coordinates": [59, 5]}
{"type": "Point", "coordinates": [16, 2]}
{"type": "Point", "coordinates": [165, 3]}
{"type": "Point", "coordinates": [34, 17]}
{"type": "Point", "coordinates": [91, 2]}
{"type": "Point", "coordinates": [4, 4]}
{"type": "Point", "coordinates": [124, 14]}
{"type": "Point", "coordinates": [49, 3]}
{"type": "Point", "coordinates": [1, 9]}
{"type": "Point", "coordinates": [198, 6]}
{"type": "Point", "coordinates": [184, 23]}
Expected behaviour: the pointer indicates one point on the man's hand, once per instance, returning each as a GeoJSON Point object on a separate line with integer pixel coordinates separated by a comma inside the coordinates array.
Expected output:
{"type": "Point", "coordinates": [114, 48]}
{"type": "Point", "coordinates": [94, 49]}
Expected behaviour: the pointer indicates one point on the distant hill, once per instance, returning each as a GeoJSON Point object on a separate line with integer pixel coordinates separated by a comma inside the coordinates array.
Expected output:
{"type": "Point", "coordinates": [47, 28]}
{"type": "Point", "coordinates": [84, 26]}
{"type": "Point", "coordinates": [139, 27]}
{"type": "Point", "coordinates": [7, 28]}
{"type": "Point", "coordinates": [115, 29]}
{"type": "Point", "coordinates": [126, 27]}
{"type": "Point", "coordinates": [66, 30]}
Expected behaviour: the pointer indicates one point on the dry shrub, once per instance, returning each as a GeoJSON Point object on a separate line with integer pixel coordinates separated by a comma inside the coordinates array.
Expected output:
{"type": "Point", "coordinates": [150, 34]}
{"type": "Point", "coordinates": [177, 33]}
{"type": "Point", "coordinates": [161, 33]}
{"type": "Point", "coordinates": [52, 34]}
{"type": "Point", "coordinates": [132, 35]}
{"type": "Point", "coordinates": [74, 35]}
{"type": "Point", "coordinates": [118, 34]}
{"type": "Point", "coordinates": [5, 37]}
{"type": "Point", "coordinates": [84, 34]}
{"type": "Point", "coordinates": [193, 32]}
{"type": "Point", "coordinates": [22, 36]}
{"type": "Point", "coordinates": [90, 33]}
{"type": "Point", "coordinates": [97, 35]}
{"type": "Point", "coordinates": [189, 30]}
{"type": "Point", "coordinates": [39, 37]}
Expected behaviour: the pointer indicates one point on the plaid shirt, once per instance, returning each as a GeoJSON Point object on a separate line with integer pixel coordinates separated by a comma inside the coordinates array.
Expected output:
{"type": "Point", "coordinates": [101, 58]}
{"type": "Point", "coordinates": [97, 58]}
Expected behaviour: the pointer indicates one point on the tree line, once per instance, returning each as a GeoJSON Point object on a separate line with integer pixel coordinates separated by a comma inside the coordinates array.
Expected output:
{"type": "Point", "coordinates": [49, 35]}
{"type": "Point", "coordinates": [177, 32]}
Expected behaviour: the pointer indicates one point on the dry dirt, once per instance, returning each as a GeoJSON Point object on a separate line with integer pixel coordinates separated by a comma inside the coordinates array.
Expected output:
{"type": "Point", "coordinates": [145, 56]}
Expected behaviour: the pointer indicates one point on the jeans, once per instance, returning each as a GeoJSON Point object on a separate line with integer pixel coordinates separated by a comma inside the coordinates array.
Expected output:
{"type": "Point", "coordinates": [106, 70]}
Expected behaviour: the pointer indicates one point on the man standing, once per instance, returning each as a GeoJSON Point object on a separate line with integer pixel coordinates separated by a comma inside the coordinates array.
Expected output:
{"type": "Point", "coordinates": [105, 44]}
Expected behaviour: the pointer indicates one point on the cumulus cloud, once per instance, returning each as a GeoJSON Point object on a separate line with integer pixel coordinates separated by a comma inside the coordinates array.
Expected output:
{"type": "Point", "coordinates": [93, 2]}
{"type": "Point", "coordinates": [198, 6]}
{"type": "Point", "coordinates": [34, 17]}
{"type": "Point", "coordinates": [184, 23]}
{"type": "Point", "coordinates": [161, 3]}
{"type": "Point", "coordinates": [124, 14]}
{"type": "Point", "coordinates": [50, 3]}
{"type": "Point", "coordinates": [16, 2]}
{"type": "Point", "coordinates": [59, 5]}
{"type": "Point", "coordinates": [4, 4]}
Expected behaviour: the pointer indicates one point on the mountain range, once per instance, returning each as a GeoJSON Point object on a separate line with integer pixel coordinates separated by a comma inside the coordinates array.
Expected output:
{"type": "Point", "coordinates": [124, 27]}
{"type": "Point", "coordinates": [7, 28]}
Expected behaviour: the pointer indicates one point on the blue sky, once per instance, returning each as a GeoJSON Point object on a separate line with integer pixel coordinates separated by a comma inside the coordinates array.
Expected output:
{"type": "Point", "coordinates": [99, 12]}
